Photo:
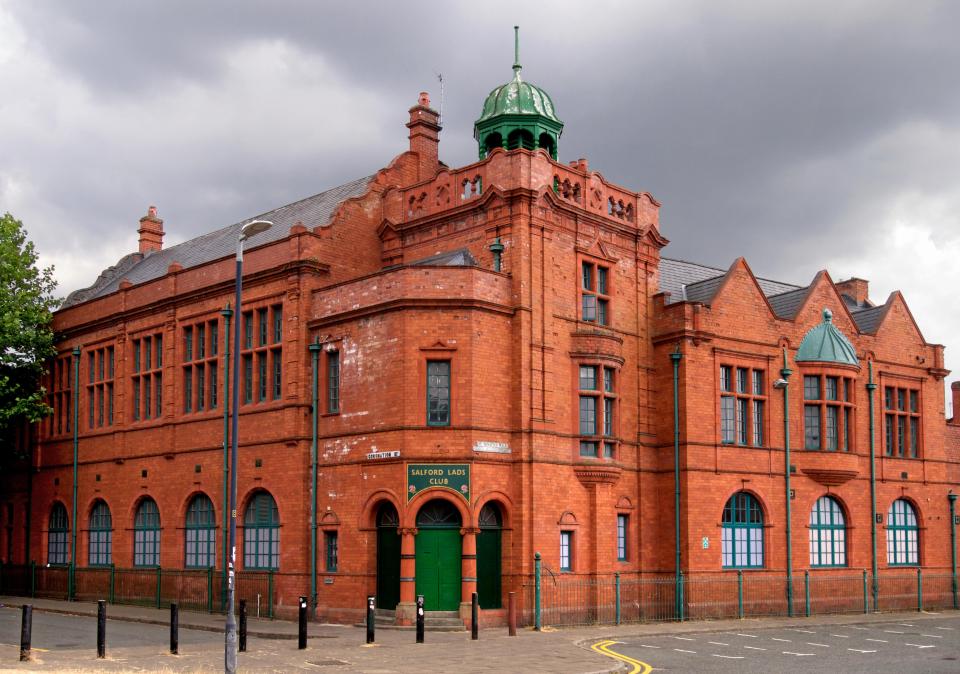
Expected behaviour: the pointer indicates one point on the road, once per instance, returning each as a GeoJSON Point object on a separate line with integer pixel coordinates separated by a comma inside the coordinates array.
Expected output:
{"type": "Point", "coordinates": [924, 645]}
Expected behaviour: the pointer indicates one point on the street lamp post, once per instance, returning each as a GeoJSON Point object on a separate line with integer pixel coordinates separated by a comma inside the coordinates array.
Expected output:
{"type": "Point", "coordinates": [230, 646]}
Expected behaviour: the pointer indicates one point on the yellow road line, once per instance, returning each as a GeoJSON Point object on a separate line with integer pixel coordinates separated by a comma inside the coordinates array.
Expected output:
{"type": "Point", "coordinates": [603, 647]}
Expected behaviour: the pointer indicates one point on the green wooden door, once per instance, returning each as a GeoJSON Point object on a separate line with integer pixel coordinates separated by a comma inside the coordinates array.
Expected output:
{"type": "Point", "coordinates": [488, 568]}
{"type": "Point", "coordinates": [388, 564]}
{"type": "Point", "coordinates": [438, 568]}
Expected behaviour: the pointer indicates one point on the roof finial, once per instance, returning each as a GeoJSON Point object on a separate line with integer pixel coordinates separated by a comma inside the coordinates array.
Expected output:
{"type": "Point", "coordinates": [516, 52]}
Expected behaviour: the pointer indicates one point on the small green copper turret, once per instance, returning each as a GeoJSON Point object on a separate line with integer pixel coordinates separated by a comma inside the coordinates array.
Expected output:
{"type": "Point", "coordinates": [518, 114]}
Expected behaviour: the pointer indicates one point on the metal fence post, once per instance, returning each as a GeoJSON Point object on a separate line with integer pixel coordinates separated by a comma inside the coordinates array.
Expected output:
{"type": "Point", "coordinates": [209, 589]}
{"type": "Point", "coordinates": [270, 594]}
{"type": "Point", "coordinates": [113, 584]}
{"type": "Point", "coordinates": [538, 618]}
{"type": "Point", "coordinates": [158, 587]}
{"type": "Point", "coordinates": [866, 606]}
{"type": "Point", "coordinates": [806, 591]}
{"type": "Point", "coordinates": [616, 578]}
{"type": "Point", "coordinates": [33, 578]}
{"type": "Point", "coordinates": [740, 594]}
{"type": "Point", "coordinates": [919, 590]}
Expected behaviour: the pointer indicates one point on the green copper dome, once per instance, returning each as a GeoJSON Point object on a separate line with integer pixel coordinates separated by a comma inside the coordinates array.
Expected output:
{"type": "Point", "coordinates": [518, 114]}
{"type": "Point", "coordinates": [826, 344]}
{"type": "Point", "coordinates": [517, 97]}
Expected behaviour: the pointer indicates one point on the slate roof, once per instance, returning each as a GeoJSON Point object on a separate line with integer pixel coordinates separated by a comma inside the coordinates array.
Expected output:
{"type": "Point", "coordinates": [677, 277]}
{"type": "Point", "coordinates": [868, 318]}
{"type": "Point", "coordinates": [455, 258]}
{"type": "Point", "coordinates": [699, 283]}
{"type": "Point", "coordinates": [137, 268]}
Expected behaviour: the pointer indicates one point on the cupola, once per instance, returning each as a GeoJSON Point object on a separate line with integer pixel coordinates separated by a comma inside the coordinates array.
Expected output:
{"type": "Point", "coordinates": [518, 114]}
{"type": "Point", "coordinates": [826, 344]}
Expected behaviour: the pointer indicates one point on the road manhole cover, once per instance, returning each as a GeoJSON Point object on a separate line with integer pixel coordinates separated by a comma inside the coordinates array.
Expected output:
{"type": "Point", "coordinates": [328, 663]}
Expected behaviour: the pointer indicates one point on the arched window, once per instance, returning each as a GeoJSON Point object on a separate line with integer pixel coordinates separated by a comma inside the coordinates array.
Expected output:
{"type": "Point", "coordinates": [494, 140]}
{"type": "Point", "coordinates": [57, 535]}
{"type": "Point", "coordinates": [903, 535]}
{"type": "Point", "coordinates": [261, 533]}
{"type": "Point", "coordinates": [101, 536]}
{"type": "Point", "coordinates": [742, 537]}
{"type": "Point", "coordinates": [828, 543]}
{"type": "Point", "coordinates": [201, 534]}
{"type": "Point", "coordinates": [146, 534]}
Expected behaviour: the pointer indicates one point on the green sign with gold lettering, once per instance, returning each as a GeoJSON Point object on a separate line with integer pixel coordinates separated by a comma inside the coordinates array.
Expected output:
{"type": "Point", "coordinates": [452, 476]}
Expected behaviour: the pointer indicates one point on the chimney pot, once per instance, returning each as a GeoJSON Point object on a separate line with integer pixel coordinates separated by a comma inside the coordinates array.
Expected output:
{"type": "Point", "coordinates": [151, 232]}
{"type": "Point", "coordinates": [424, 136]}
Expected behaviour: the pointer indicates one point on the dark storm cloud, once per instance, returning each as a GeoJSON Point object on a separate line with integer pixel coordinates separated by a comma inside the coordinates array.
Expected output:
{"type": "Point", "coordinates": [784, 132]}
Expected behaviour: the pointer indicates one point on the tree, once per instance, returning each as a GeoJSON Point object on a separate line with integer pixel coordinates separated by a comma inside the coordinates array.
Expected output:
{"type": "Point", "coordinates": [26, 338]}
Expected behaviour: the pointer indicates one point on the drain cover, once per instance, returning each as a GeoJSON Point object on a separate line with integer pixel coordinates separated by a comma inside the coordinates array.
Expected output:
{"type": "Point", "coordinates": [328, 663]}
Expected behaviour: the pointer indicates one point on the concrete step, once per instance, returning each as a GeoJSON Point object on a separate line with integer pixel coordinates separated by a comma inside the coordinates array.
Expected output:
{"type": "Point", "coordinates": [433, 621]}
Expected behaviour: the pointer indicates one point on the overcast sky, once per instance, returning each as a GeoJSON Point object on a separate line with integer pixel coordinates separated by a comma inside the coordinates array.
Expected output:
{"type": "Point", "coordinates": [801, 135]}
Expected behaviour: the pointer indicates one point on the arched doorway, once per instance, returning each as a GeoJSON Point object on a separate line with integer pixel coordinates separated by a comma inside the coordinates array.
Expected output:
{"type": "Point", "coordinates": [388, 557]}
{"type": "Point", "coordinates": [488, 556]}
{"type": "Point", "coordinates": [438, 555]}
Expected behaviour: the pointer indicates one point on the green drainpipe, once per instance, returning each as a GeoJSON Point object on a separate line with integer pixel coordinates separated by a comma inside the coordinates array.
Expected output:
{"type": "Point", "coordinates": [953, 546]}
{"type": "Point", "coordinates": [785, 374]}
{"type": "Point", "coordinates": [314, 348]}
{"type": "Point", "coordinates": [227, 312]}
{"type": "Point", "coordinates": [76, 447]}
{"type": "Point", "coordinates": [678, 597]}
{"type": "Point", "coordinates": [871, 387]}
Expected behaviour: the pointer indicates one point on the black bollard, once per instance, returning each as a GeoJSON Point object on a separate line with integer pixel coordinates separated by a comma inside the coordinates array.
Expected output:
{"type": "Point", "coordinates": [419, 618]}
{"type": "Point", "coordinates": [26, 628]}
{"type": "Point", "coordinates": [512, 613]}
{"type": "Point", "coordinates": [302, 632]}
{"type": "Point", "coordinates": [474, 617]}
{"type": "Point", "coordinates": [371, 617]}
{"type": "Point", "coordinates": [174, 627]}
{"type": "Point", "coordinates": [101, 628]}
{"type": "Point", "coordinates": [243, 626]}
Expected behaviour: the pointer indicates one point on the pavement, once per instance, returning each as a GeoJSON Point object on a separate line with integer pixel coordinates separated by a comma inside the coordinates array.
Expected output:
{"type": "Point", "coordinates": [138, 640]}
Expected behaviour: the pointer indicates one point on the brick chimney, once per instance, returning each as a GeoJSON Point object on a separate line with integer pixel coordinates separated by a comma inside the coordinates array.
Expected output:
{"type": "Point", "coordinates": [856, 289]}
{"type": "Point", "coordinates": [424, 136]}
{"type": "Point", "coordinates": [151, 232]}
{"type": "Point", "coordinates": [955, 391]}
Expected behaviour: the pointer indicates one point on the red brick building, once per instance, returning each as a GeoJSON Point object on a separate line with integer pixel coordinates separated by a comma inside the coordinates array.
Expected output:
{"type": "Point", "coordinates": [496, 349]}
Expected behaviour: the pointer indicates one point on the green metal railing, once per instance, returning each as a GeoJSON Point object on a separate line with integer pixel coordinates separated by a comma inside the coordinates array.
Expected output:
{"type": "Point", "coordinates": [191, 589]}
{"type": "Point", "coordinates": [550, 598]}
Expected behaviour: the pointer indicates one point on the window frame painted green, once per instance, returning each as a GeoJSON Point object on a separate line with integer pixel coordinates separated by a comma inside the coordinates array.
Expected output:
{"type": "Point", "coordinates": [100, 535]}
{"type": "Point", "coordinates": [146, 534]}
{"type": "Point", "coordinates": [58, 536]}
{"type": "Point", "coordinates": [623, 526]}
{"type": "Point", "coordinates": [828, 534]}
{"type": "Point", "coordinates": [331, 547]}
{"type": "Point", "coordinates": [262, 528]}
{"type": "Point", "coordinates": [200, 534]}
{"type": "Point", "coordinates": [436, 397]}
{"type": "Point", "coordinates": [745, 506]}
{"type": "Point", "coordinates": [900, 534]}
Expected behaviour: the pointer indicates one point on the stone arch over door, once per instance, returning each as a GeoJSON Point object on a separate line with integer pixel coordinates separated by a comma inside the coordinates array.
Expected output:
{"type": "Point", "coordinates": [438, 554]}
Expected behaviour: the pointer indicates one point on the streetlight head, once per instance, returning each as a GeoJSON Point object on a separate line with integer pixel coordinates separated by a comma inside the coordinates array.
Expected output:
{"type": "Point", "coordinates": [780, 383]}
{"type": "Point", "coordinates": [254, 227]}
